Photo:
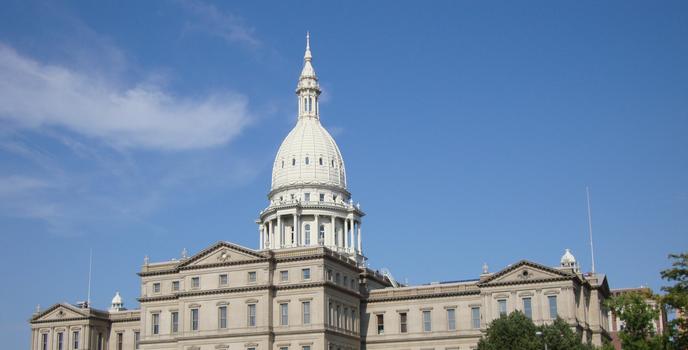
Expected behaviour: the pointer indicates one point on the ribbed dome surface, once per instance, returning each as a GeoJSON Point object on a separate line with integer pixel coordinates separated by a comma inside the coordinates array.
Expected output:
{"type": "Point", "coordinates": [308, 156]}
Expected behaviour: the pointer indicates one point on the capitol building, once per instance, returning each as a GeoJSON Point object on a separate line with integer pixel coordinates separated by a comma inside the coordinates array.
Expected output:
{"type": "Point", "coordinates": [307, 285]}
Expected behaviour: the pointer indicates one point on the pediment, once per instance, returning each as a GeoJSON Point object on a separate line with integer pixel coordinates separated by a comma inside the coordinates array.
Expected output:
{"type": "Point", "coordinates": [60, 312]}
{"type": "Point", "coordinates": [524, 272]}
{"type": "Point", "coordinates": [221, 253]}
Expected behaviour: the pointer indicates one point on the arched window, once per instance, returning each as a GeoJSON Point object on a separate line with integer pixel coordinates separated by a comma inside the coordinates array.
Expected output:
{"type": "Point", "coordinates": [307, 161]}
{"type": "Point", "coordinates": [310, 104]}
{"type": "Point", "coordinates": [321, 161]}
{"type": "Point", "coordinates": [321, 235]}
{"type": "Point", "coordinates": [293, 161]}
{"type": "Point", "coordinates": [307, 232]}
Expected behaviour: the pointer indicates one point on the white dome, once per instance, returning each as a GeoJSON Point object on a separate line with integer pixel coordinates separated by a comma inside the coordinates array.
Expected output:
{"type": "Point", "coordinates": [308, 156]}
{"type": "Point", "coordinates": [116, 300]}
{"type": "Point", "coordinates": [568, 259]}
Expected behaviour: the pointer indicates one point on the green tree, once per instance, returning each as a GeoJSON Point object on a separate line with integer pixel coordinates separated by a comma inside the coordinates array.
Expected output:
{"type": "Point", "coordinates": [518, 332]}
{"type": "Point", "coordinates": [513, 332]}
{"type": "Point", "coordinates": [676, 297]}
{"type": "Point", "coordinates": [559, 336]}
{"type": "Point", "coordinates": [638, 316]}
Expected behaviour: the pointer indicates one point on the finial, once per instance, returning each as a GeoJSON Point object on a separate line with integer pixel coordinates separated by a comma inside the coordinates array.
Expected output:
{"type": "Point", "coordinates": [485, 268]}
{"type": "Point", "coordinates": [38, 308]}
{"type": "Point", "coordinates": [307, 56]}
{"type": "Point", "coordinates": [184, 253]}
{"type": "Point", "coordinates": [145, 260]}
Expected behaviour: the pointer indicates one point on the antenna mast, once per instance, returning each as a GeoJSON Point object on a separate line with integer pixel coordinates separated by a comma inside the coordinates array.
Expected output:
{"type": "Point", "coordinates": [592, 249]}
{"type": "Point", "coordinates": [90, 264]}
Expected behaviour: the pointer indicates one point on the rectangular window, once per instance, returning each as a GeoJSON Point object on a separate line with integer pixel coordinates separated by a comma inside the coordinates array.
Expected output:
{"type": "Point", "coordinates": [251, 315]}
{"type": "Point", "coordinates": [284, 276]}
{"type": "Point", "coordinates": [156, 287]}
{"type": "Point", "coordinates": [306, 274]}
{"type": "Point", "coordinates": [451, 319]}
{"type": "Point", "coordinates": [284, 348]}
{"type": "Point", "coordinates": [44, 341]}
{"type": "Point", "coordinates": [427, 321]}
{"type": "Point", "coordinates": [306, 306]}
{"type": "Point", "coordinates": [329, 275]}
{"type": "Point", "coordinates": [194, 319]}
{"type": "Point", "coordinates": [306, 347]}
{"type": "Point", "coordinates": [175, 286]}
{"type": "Point", "coordinates": [527, 308]}
{"type": "Point", "coordinates": [60, 341]}
{"type": "Point", "coordinates": [307, 197]}
{"type": "Point", "coordinates": [155, 324]}
{"type": "Point", "coordinates": [552, 299]}
{"type": "Point", "coordinates": [251, 276]}
{"type": "Point", "coordinates": [403, 322]}
{"type": "Point", "coordinates": [502, 307]}
{"type": "Point", "coordinates": [120, 341]}
{"type": "Point", "coordinates": [380, 323]}
{"type": "Point", "coordinates": [174, 317]}
{"type": "Point", "coordinates": [137, 340]}
{"type": "Point", "coordinates": [322, 197]}
{"type": "Point", "coordinates": [475, 317]}
{"type": "Point", "coordinates": [284, 314]}
{"type": "Point", "coordinates": [224, 280]}
{"type": "Point", "coordinates": [99, 343]}
{"type": "Point", "coordinates": [75, 340]}
{"type": "Point", "coordinates": [222, 317]}
{"type": "Point", "coordinates": [195, 282]}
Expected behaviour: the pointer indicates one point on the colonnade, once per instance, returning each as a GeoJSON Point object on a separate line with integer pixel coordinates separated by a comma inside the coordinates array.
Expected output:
{"type": "Point", "coordinates": [323, 230]}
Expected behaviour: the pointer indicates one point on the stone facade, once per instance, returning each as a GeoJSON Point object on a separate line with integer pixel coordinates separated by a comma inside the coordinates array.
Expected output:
{"type": "Point", "coordinates": [308, 286]}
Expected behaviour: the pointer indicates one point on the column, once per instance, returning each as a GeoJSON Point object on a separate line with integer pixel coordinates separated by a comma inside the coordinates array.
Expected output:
{"type": "Point", "coordinates": [334, 234]}
{"type": "Point", "coordinates": [295, 230]}
{"type": "Point", "coordinates": [260, 233]}
{"type": "Point", "coordinates": [317, 230]}
{"type": "Point", "coordinates": [271, 234]}
{"type": "Point", "coordinates": [279, 240]}
{"type": "Point", "coordinates": [360, 248]}
{"type": "Point", "coordinates": [87, 334]}
{"type": "Point", "coordinates": [346, 233]}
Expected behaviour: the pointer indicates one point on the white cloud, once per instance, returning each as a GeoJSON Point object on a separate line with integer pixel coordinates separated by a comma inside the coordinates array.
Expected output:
{"type": "Point", "coordinates": [35, 95]}
{"type": "Point", "coordinates": [16, 184]}
{"type": "Point", "coordinates": [221, 24]}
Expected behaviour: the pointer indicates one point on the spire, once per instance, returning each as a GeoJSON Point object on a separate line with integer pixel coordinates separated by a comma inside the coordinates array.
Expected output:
{"type": "Point", "coordinates": [308, 89]}
{"type": "Point", "coordinates": [308, 56]}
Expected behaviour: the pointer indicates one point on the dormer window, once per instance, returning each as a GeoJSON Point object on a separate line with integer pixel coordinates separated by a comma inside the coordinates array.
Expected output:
{"type": "Point", "coordinates": [282, 164]}
{"type": "Point", "coordinates": [333, 163]}
{"type": "Point", "coordinates": [320, 161]}
{"type": "Point", "coordinates": [307, 161]}
{"type": "Point", "coordinates": [293, 161]}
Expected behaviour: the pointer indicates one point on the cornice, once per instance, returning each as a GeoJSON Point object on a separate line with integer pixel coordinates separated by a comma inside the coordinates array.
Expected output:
{"type": "Point", "coordinates": [249, 289]}
{"type": "Point", "coordinates": [372, 300]}
{"type": "Point", "coordinates": [314, 184]}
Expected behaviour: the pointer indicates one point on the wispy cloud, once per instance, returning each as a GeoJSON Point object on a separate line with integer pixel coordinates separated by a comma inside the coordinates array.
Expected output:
{"type": "Point", "coordinates": [35, 95]}
{"type": "Point", "coordinates": [222, 24]}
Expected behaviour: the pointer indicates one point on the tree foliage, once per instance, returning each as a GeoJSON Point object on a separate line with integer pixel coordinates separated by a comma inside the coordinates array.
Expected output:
{"type": "Point", "coordinates": [638, 316]}
{"type": "Point", "coordinates": [676, 297]}
{"type": "Point", "coordinates": [518, 332]}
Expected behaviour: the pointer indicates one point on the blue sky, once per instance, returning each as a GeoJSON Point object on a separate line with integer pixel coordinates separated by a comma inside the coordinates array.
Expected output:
{"type": "Point", "coordinates": [469, 131]}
